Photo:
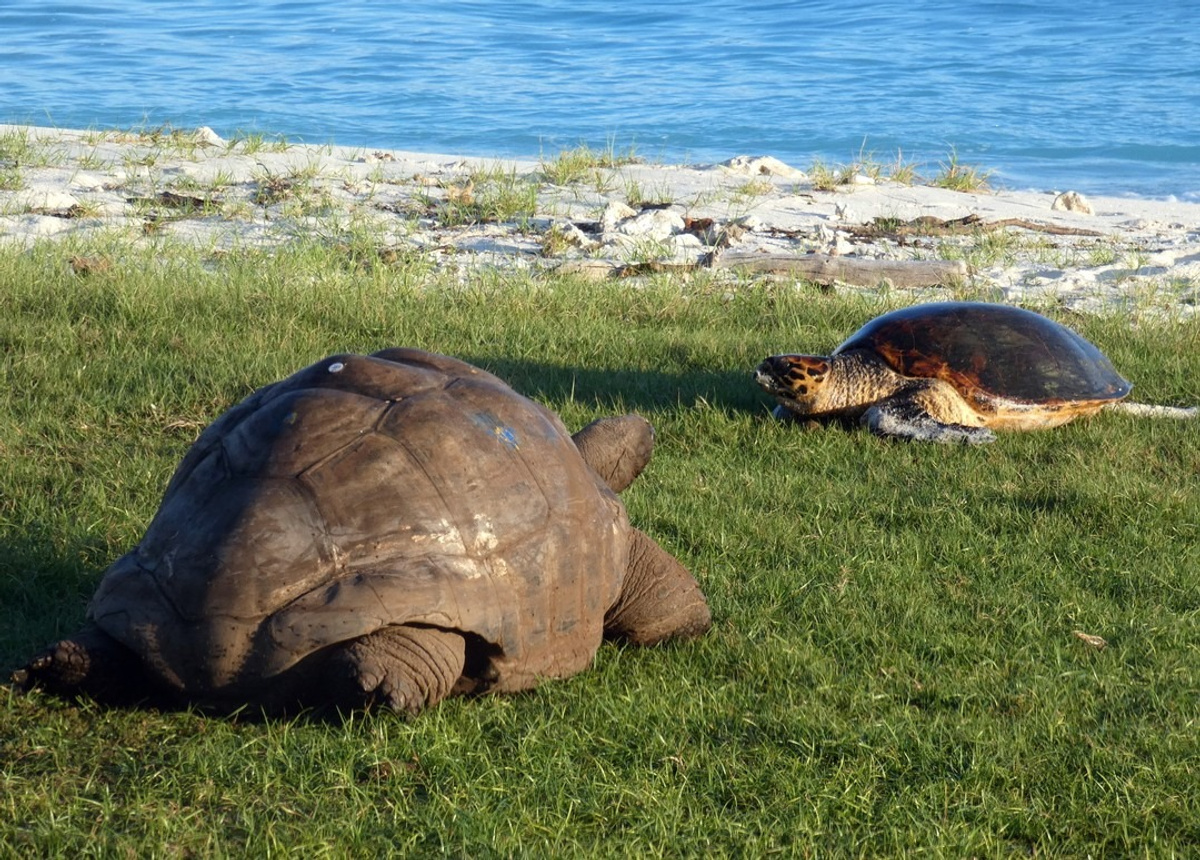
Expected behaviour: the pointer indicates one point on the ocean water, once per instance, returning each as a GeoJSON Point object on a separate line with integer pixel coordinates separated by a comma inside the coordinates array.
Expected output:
{"type": "Point", "coordinates": [1101, 96]}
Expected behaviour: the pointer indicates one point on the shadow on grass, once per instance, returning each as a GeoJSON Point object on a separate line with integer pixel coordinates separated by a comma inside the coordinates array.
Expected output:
{"type": "Point", "coordinates": [44, 589]}
{"type": "Point", "coordinates": [619, 389]}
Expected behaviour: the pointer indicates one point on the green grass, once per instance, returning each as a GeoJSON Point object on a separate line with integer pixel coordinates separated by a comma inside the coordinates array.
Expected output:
{"type": "Point", "coordinates": [893, 669]}
{"type": "Point", "coordinates": [956, 176]}
{"type": "Point", "coordinates": [951, 173]}
{"type": "Point", "coordinates": [489, 195]}
{"type": "Point", "coordinates": [18, 149]}
{"type": "Point", "coordinates": [585, 164]}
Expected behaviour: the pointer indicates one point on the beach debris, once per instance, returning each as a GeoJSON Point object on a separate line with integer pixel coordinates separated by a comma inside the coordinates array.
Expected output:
{"type": "Point", "coordinates": [653, 224]}
{"type": "Point", "coordinates": [762, 165]}
{"type": "Point", "coordinates": [831, 269]}
{"type": "Point", "coordinates": [206, 136]}
{"type": "Point", "coordinates": [462, 193]}
{"type": "Point", "coordinates": [83, 266]}
{"type": "Point", "coordinates": [174, 200]}
{"type": "Point", "coordinates": [566, 234]}
{"type": "Point", "coordinates": [929, 225]}
{"type": "Point", "coordinates": [1072, 201]}
{"type": "Point", "coordinates": [614, 213]}
{"type": "Point", "coordinates": [1095, 641]}
{"type": "Point", "coordinates": [835, 242]}
{"type": "Point", "coordinates": [589, 270]}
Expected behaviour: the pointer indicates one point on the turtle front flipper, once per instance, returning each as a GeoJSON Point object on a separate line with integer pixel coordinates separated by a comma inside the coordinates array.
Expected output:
{"type": "Point", "coordinates": [906, 417]}
{"type": "Point", "coordinates": [659, 598]}
{"type": "Point", "coordinates": [616, 448]}
{"type": "Point", "coordinates": [407, 668]}
{"type": "Point", "coordinates": [90, 663]}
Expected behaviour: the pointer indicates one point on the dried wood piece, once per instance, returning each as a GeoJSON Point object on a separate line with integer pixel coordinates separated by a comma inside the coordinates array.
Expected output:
{"type": "Point", "coordinates": [857, 271]}
{"type": "Point", "coordinates": [928, 225]}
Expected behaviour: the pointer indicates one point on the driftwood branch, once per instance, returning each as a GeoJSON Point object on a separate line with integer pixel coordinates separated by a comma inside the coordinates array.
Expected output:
{"type": "Point", "coordinates": [819, 268]}
{"type": "Point", "coordinates": [1039, 227]}
{"type": "Point", "coordinates": [857, 271]}
{"type": "Point", "coordinates": [928, 225]}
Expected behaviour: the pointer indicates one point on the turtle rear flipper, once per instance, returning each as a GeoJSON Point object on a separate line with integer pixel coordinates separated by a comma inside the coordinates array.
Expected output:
{"type": "Point", "coordinates": [659, 599]}
{"type": "Point", "coordinates": [904, 418]}
{"type": "Point", "coordinates": [90, 663]}
{"type": "Point", "coordinates": [1151, 410]}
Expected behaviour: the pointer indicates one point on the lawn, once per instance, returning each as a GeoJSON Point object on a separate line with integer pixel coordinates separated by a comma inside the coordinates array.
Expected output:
{"type": "Point", "coordinates": [902, 659]}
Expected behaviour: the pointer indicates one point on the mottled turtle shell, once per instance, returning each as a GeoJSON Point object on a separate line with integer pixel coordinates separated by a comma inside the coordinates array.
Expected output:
{"type": "Point", "coordinates": [992, 352]}
{"type": "Point", "coordinates": [365, 491]}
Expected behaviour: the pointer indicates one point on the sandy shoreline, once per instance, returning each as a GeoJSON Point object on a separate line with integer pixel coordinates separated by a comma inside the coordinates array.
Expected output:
{"type": "Point", "coordinates": [191, 186]}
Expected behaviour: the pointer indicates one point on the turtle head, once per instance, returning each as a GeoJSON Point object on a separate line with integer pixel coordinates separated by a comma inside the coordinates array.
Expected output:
{"type": "Point", "coordinates": [796, 381]}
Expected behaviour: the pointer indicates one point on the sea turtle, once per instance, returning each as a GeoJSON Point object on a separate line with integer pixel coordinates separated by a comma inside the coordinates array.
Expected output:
{"type": "Point", "coordinates": [389, 528]}
{"type": "Point", "coordinates": [953, 372]}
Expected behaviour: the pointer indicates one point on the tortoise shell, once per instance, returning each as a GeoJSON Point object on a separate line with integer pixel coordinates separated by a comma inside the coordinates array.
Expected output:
{"type": "Point", "coordinates": [991, 351]}
{"type": "Point", "coordinates": [365, 491]}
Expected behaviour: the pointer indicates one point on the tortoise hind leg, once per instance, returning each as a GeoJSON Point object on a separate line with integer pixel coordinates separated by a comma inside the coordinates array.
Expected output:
{"type": "Point", "coordinates": [659, 598]}
{"type": "Point", "coordinates": [616, 448]}
{"type": "Point", "coordinates": [404, 667]}
{"type": "Point", "coordinates": [91, 663]}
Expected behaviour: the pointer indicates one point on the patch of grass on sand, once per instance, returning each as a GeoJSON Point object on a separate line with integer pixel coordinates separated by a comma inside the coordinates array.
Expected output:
{"type": "Point", "coordinates": [492, 195]}
{"type": "Point", "coordinates": [956, 176]}
{"type": "Point", "coordinates": [19, 149]}
{"type": "Point", "coordinates": [900, 660]}
{"type": "Point", "coordinates": [585, 164]}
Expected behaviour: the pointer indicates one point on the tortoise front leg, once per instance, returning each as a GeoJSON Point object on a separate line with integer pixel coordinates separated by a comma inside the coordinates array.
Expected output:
{"type": "Point", "coordinates": [403, 667]}
{"type": "Point", "coordinates": [659, 598]}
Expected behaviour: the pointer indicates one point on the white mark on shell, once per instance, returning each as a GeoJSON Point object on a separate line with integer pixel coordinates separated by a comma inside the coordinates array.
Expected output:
{"type": "Point", "coordinates": [485, 534]}
{"type": "Point", "coordinates": [442, 533]}
{"type": "Point", "coordinates": [336, 367]}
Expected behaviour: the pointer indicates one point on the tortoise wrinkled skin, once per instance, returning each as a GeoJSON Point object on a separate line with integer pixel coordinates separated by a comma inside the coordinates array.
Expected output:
{"type": "Point", "coordinates": [404, 520]}
{"type": "Point", "coordinates": [950, 372]}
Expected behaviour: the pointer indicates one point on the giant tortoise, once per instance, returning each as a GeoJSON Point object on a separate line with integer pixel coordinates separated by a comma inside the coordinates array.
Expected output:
{"type": "Point", "coordinates": [391, 528]}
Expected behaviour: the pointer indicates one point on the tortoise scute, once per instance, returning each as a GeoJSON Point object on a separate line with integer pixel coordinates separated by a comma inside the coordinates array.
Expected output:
{"type": "Point", "coordinates": [365, 375]}
{"type": "Point", "coordinates": [299, 428]}
{"type": "Point", "coordinates": [445, 366]}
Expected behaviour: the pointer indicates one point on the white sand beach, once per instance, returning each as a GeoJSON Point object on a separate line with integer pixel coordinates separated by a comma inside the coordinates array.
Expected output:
{"type": "Point", "coordinates": [751, 211]}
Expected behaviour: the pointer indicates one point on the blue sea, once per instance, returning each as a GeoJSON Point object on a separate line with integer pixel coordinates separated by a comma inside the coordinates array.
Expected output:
{"type": "Point", "coordinates": [1098, 95]}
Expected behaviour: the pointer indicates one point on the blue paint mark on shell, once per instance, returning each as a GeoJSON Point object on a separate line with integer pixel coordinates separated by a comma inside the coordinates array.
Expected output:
{"type": "Point", "coordinates": [507, 435]}
{"type": "Point", "coordinates": [499, 429]}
